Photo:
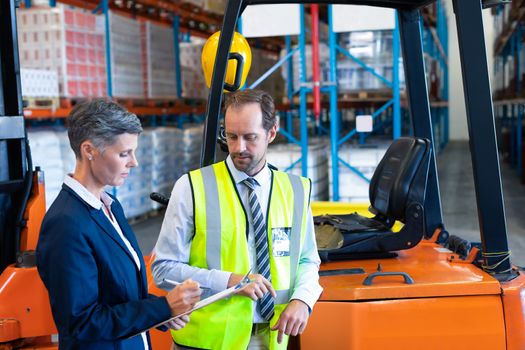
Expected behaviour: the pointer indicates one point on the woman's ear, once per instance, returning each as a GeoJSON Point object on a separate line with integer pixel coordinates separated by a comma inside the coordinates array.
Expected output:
{"type": "Point", "coordinates": [87, 151]}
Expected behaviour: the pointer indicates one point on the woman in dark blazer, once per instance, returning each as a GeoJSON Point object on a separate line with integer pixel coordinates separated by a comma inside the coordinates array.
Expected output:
{"type": "Point", "coordinates": [87, 254]}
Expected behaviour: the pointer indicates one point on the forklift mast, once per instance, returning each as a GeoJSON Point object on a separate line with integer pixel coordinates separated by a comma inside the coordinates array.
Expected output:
{"type": "Point", "coordinates": [480, 117]}
{"type": "Point", "coordinates": [15, 159]}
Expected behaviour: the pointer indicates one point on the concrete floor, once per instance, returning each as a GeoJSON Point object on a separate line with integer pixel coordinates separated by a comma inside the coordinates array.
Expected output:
{"type": "Point", "coordinates": [458, 202]}
{"type": "Point", "coordinates": [147, 232]}
{"type": "Point", "coordinates": [459, 199]}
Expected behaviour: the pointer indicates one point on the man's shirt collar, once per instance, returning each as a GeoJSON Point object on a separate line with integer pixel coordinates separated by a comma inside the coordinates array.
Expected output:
{"type": "Point", "coordinates": [262, 177]}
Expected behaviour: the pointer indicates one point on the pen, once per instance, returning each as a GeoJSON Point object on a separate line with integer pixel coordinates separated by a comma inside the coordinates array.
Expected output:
{"type": "Point", "coordinates": [175, 283]}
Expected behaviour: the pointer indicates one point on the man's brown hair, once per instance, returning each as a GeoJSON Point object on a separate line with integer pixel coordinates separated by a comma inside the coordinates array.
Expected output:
{"type": "Point", "coordinates": [238, 99]}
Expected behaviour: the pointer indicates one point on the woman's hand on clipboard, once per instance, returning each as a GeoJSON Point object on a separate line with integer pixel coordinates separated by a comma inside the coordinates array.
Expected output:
{"type": "Point", "coordinates": [178, 323]}
{"type": "Point", "coordinates": [183, 297]}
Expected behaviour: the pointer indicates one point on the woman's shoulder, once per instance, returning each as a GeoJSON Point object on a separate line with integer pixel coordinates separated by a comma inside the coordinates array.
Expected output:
{"type": "Point", "coordinates": [66, 210]}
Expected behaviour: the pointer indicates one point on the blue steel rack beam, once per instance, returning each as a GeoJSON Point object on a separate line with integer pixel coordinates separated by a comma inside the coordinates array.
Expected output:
{"type": "Point", "coordinates": [335, 140]}
{"type": "Point", "coordinates": [176, 41]}
{"type": "Point", "coordinates": [519, 141]}
{"type": "Point", "coordinates": [442, 31]}
{"type": "Point", "coordinates": [289, 86]}
{"type": "Point", "coordinates": [302, 98]}
{"type": "Point", "coordinates": [334, 113]}
{"type": "Point", "coordinates": [105, 10]}
{"type": "Point", "coordinates": [395, 77]}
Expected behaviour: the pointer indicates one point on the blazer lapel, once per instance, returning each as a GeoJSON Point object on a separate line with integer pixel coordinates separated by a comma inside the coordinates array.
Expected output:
{"type": "Point", "coordinates": [124, 226]}
{"type": "Point", "coordinates": [128, 233]}
{"type": "Point", "coordinates": [108, 228]}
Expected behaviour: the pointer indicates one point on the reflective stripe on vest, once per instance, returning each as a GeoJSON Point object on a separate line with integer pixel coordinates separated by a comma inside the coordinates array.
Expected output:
{"type": "Point", "coordinates": [220, 242]}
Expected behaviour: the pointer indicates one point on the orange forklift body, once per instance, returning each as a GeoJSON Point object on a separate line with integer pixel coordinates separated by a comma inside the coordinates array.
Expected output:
{"type": "Point", "coordinates": [159, 340]}
{"type": "Point", "coordinates": [452, 304]}
{"type": "Point", "coordinates": [463, 303]}
{"type": "Point", "coordinates": [25, 313]}
{"type": "Point", "coordinates": [491, 318]}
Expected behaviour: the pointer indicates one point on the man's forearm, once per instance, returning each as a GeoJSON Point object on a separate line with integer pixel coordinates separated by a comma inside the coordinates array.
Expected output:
{"type": "Point", "coordinates": [215, 280]}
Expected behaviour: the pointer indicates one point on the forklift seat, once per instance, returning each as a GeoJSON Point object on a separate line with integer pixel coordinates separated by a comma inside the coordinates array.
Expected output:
{"type": "Point", "coordinates": [397, 193]}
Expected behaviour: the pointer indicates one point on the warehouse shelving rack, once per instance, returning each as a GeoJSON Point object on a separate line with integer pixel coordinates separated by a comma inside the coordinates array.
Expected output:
{"type": "Point", "coordinates": [436, 45]}
{"type": "Point", "coordinates": [175, 15]}
{"type": "Point", "coordinates": [439, 108]}
{"type": "Point", "coordinates": [509, 101]}
{"type": "Point", "coordinates": [336, 141]}
{"type": "Point", "coordinates": [185, 19]}
{"type": "Point", "coordinates": [167, 13]}
{"type": "Point", "coordinates": [302, 91]}
{"type": "Point", "coordinates": [152, 112]}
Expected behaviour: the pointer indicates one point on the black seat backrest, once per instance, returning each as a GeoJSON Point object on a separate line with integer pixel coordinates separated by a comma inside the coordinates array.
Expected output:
{"type": "Point", "coordinates": [394, 178]}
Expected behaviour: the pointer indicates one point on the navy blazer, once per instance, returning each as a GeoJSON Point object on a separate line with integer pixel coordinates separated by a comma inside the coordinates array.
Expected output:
{"type": "Point", "coordinates": [98, 296]}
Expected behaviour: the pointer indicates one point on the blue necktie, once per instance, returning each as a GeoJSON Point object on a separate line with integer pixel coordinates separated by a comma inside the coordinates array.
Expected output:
{"type": "Point", "coordinates": [261, 247]}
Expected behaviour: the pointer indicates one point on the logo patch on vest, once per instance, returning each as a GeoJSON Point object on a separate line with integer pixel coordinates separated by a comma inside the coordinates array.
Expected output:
{"type": "Point", "coordinates": [281, 241]}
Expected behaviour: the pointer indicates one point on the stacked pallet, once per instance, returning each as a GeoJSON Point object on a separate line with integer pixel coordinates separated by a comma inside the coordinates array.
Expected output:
{"type": "Point", "coordinates": [215, 6]}
{"type": "Point", "coordinates": [374, 48]}
{"type": "Point", "coordinates": [159, 61]}
{"type": "Point", "coordinates": [193, 82]}
{"type": "Point", "coordinates": [353, 187]}
{"type": "Point", "coordinates": [174, 152]}
{"type": "Point", "coordinates": [39, 88]}
{"type": "Point", "coordinates": [126, 57]}
{"type": "Point", "coordinates": [133, 195]}
{"type": "Point", "coordinates": [69, 42]}
{"type": "Point", "coordinates": [189, 148]}
{"type": "Point", "coordinates": [285, 157]}
{"type": "Point", "coordinates": [165, 155]}
{"type": "Point", "coordinates": [67, 155]}
{"type": "Point", "coordinates": [46, 151]}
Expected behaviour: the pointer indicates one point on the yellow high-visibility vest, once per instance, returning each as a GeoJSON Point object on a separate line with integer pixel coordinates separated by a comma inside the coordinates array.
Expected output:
{"type": "Point", "coordinates": [220, 242]}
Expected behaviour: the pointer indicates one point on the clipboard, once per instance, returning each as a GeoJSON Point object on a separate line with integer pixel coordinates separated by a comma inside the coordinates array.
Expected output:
{"type": "Point", "coordinates": [211, 299]}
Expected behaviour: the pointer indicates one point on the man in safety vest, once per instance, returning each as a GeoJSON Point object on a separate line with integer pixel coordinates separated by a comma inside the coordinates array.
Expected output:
{"type": "Point", "coordinates": [235, 215]}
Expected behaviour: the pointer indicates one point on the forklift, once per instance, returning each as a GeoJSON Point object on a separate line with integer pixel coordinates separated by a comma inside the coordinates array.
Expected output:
{"type": "Point", "coordinates": [384, 289]}
{"type": "Point", "coordinates": [404, 289]}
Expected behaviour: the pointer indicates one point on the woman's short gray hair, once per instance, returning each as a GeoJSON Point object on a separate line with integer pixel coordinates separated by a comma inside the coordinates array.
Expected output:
{"type": "Point", "coordinates": [99, 121]}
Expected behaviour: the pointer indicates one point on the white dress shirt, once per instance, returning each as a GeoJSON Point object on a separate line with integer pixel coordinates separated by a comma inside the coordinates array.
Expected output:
{"type": "Point", "coordinates": [173, 246]}
{"type": "Point", "coordinates": [106, 201]}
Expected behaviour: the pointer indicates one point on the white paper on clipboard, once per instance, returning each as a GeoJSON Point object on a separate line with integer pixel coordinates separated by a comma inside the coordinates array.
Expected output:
{"type": "Point", "coordinates": [210, 300]}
